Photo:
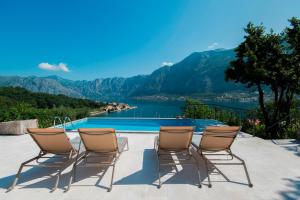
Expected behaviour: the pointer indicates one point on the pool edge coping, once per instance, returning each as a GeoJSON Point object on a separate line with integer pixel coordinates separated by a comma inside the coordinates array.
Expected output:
{"type": "Point", "coordinates": [125, 131]}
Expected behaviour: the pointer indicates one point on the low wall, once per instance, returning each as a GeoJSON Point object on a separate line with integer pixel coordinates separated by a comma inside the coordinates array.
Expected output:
{"type": "Point", "coordinates": [17, 127]}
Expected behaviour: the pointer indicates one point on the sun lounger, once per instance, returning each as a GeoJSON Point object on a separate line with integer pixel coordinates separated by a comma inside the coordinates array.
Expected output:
{"type": "Point", "coordinates": [51, 141]}
{"type": "Point", "coordinates": [175, 140]}
{"type": "Point", "coordinates": [101, 143]}
{"type": "Point", "coordinates": [217, 141]}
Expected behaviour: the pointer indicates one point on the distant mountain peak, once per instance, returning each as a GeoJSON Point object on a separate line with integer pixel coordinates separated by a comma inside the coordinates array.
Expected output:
{"type": "Point", "coordinates": [53, 77]}
{"type": "Point", "coordinates": [198, 73]}
{"type": "Point", "coordinates": [221, 49]}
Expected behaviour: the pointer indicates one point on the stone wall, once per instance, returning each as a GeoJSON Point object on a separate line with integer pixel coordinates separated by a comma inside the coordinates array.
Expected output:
{"type": "Point", "coordinates": [17, 127]}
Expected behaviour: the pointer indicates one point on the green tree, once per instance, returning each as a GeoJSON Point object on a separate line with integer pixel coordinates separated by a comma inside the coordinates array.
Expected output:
{"type": "Point", "coordinates": [19, 104]}
{"type": "Point", "coordinates": [269, 62]}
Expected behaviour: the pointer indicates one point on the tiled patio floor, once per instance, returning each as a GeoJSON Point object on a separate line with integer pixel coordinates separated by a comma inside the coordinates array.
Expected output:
{"type": "Point", "coordinates": [274, 170]}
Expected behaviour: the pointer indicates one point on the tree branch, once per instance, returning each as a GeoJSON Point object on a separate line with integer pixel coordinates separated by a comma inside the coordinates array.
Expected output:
{"type": "Point", "coordinates": [262, 104]}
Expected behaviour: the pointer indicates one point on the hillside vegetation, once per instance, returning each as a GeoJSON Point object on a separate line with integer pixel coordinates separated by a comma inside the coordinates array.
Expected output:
{"type": "Point", "coordinates": [19, 104]}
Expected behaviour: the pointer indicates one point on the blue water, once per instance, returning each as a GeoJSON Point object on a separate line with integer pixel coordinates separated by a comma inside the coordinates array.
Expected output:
{"type": "Point", "coordinates": [165, 109]}
{"type": "Point", "coordinates": [148, 116]}
{"type": "Point", "coordinates": [154, 109]}
{"type": "Point", "coordinates": [132, 124]}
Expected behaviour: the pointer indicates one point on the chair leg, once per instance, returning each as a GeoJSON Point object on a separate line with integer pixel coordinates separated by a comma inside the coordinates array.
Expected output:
{"type": "Point", "coordinates": [158, 170]}
{"type": "Point", "coordinates": [112, 178]}
{"type": "Point", "coordinates": [56, 181]}
{"type": "Point", "coordinates": [70, 182]}
{"type": "Point", "coordinates": [198, 171]}
{"type": "Point", "coordinates": [207, 172]}
{"type": "Point", "coordinates": [72, 177]}
{"type": "Point", "coordinates": [73, 172]}
{"type": "Point", "coordinates": [16, 178]}
{"type": "Point", "coordinates": [159, 181]}
{"type": "Point", "coordinates": [247, 175]}
{"type": "Point", "coordinates": [58, 175]}
{"type": "Point", "coordinates": [155, 143]}
{"type": "Point", "coordinates": [245, 168]}
{"type": "Point", "coordinates": [14, 183]}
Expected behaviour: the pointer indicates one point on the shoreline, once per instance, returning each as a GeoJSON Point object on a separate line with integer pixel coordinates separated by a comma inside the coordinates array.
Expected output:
{"type": "Point", "coordinates": [129, 108]}
{"type": "Point", "coordinates": [94, 113]}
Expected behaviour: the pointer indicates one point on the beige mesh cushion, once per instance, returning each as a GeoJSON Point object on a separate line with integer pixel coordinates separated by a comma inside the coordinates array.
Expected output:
{"type": "Point", "coordinates": [175, 137]}
{"type": "Point", "coordinates": [218, 138]}
{"type": "Point", "coordinates": [52, 140]}
{"type": "Point", "coordinates": [99, 139]}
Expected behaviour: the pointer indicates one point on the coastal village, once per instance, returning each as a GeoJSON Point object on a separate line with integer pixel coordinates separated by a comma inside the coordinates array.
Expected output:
{"type": "Point", "coordinates": [113, 107]}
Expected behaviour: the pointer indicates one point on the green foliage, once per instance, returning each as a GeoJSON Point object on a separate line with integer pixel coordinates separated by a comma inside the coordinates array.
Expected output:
{"type": "Point", "coordinates": [197, 110]}
{"type": "Point", "coordinates": [46, 116]}
{"type": "Point", "coordinates": [43, 100]}
{"type": "Point", "coordinates": [20, 104]}
{"type": "Point", "coordinates": [270, 62]}
{"type": "Point", "coordinates": [250, 120]}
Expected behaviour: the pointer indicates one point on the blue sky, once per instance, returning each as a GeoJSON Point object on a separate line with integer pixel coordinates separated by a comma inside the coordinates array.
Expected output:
{"type": "Point", "coordinates": [88, 39]}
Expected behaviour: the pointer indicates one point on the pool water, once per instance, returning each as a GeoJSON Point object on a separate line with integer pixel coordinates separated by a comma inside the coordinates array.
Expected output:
{"type": "Point", "coordinates": [139, 124]}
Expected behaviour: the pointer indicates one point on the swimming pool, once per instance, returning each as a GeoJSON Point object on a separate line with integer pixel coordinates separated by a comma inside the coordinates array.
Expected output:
{"type": "Point", "coordinates": [139, 124]}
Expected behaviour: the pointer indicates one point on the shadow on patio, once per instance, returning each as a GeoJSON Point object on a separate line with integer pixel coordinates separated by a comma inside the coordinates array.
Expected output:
{"type": "Point", "coordinates": [294, 189]}
{"type": "Point", "coordinates": [36, 177]}
{"type": "Point", "coordinates": [183, 174]}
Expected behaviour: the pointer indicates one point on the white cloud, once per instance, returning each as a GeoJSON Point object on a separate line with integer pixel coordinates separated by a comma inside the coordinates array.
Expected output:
{"type": "Point", "coordinates": [213, 45]}
{"type": "Point", "coordinates": [166, 63]}
{"type": "Point", "coordinates": [60, 67]}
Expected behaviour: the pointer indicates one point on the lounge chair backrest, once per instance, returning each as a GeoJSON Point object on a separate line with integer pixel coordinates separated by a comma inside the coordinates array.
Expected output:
{"type": "Point", "coordinates": [99, 139]}
{"type": "Point", "coordinates": [175, 137]}
{"type": "Point", "coordinates": [51, 140]}
{"type": "Point", "coordinates": [218, 138]}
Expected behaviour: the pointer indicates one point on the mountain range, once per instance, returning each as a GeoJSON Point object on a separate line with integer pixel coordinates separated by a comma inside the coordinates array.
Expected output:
{"type": "Point", "coordinates": [199, 73]}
